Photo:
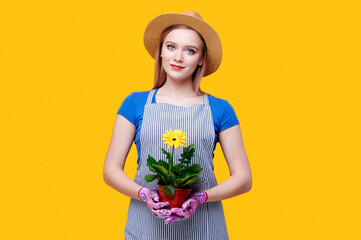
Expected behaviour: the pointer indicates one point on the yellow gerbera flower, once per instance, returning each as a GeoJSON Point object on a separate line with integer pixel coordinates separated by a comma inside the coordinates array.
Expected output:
{"type": "Point", "coordinates": [176, 138]}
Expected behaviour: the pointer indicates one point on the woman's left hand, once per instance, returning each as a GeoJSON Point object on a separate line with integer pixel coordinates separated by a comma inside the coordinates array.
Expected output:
{"type": "Point", "coordinates": [188, 207]}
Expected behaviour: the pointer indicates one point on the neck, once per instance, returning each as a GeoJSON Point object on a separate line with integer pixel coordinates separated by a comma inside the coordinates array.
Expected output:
{"type": "Point", "coordinates": [178, 89]}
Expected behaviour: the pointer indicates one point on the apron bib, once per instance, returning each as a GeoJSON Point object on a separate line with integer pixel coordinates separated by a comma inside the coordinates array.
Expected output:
{"type": "Point", "coordinates": [208, 220]}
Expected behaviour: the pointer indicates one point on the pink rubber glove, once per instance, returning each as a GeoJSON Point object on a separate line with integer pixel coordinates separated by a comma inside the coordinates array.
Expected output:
{"type": "Point", "coordinates": [188, 207]}
{"type": "Point", "coordinates": [151, 198]}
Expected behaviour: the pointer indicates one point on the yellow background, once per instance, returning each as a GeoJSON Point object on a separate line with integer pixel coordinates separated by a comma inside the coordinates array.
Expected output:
{"type": "Point", "coordinates": [290, 69]}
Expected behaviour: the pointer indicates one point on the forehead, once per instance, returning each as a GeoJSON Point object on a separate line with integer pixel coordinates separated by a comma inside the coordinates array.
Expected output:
{"type": "Point", "coordinates": [184, 37]}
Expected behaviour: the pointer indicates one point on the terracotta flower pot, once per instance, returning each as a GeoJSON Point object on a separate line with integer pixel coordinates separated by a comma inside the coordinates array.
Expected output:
{"type": "Point", "coordinates": [180, 195]}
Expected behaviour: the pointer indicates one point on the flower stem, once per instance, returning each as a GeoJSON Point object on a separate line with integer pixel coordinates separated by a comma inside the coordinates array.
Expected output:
{"type": "Point", "coordinates": [171, 162]}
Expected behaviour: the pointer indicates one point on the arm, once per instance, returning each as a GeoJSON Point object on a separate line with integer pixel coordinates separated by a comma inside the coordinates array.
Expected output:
{"type": "Point", "coordinates": [113, 171]}
{"type": "Point", "coordinates": [240, 180]}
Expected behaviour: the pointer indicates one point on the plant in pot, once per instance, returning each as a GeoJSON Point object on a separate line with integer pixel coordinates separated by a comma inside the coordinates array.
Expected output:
{"type": "Point", "coordinates": [174, 180]}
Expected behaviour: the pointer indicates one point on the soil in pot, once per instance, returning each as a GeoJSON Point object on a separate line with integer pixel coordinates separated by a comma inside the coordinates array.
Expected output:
{"type": "Point", "coordinates": [180, 195]}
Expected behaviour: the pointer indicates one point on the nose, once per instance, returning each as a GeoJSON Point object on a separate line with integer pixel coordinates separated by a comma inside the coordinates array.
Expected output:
{"type": "Point", "coordinates": [178, 56]}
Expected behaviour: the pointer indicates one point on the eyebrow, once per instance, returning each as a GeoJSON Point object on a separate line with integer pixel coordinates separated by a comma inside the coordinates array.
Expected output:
{"type": "Point", "coordinates": [186, 46]}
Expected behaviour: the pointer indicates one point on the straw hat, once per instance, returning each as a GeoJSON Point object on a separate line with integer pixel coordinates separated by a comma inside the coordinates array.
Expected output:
{"type": "Point", "coordinates": [191, 19]}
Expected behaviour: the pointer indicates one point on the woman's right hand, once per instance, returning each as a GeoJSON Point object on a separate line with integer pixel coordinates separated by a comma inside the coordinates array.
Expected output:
{"type": "Point", "coordinates": [151, 198]}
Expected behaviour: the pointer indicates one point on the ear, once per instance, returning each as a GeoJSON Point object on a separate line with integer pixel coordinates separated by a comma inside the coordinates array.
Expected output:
{"type": "Point", "coordinates": [200, 62]}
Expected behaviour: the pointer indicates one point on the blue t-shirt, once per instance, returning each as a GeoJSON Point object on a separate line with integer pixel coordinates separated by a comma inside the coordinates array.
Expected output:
{"type": "Point", "coordinates": [132, 108]}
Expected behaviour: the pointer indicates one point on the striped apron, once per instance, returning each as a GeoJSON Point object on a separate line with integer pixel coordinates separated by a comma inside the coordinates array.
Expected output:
{"type": "Point", "coordinates": [208, 220]}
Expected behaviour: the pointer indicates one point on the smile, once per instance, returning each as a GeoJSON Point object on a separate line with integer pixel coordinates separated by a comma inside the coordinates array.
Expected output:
{"type": "Point", "coordinates": [176, 67]}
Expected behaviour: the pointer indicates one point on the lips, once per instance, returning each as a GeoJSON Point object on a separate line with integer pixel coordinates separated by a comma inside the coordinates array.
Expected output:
{"type": "Point", "coordinates": [176, 67]}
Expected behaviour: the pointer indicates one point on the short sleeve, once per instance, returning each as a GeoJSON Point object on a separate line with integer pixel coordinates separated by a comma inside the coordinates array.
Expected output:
{"type": "Point", "coordinates": [229, 117]}
{"type": "Point", "coordinates": [127, 108]}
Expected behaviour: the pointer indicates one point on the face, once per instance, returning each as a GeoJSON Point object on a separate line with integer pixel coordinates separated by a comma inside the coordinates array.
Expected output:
{"type": "Point", "coordinates": [181, 53]}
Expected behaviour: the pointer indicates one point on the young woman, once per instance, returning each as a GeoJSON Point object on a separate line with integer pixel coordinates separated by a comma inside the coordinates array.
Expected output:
{"type": "Point", "coordinates": [185, 49]}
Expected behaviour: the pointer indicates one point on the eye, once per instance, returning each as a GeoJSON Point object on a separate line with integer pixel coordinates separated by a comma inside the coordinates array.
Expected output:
{"type": "Point", "coordinates": [171, 47]}
{"type": "Point", "coordinates": [190, 51]}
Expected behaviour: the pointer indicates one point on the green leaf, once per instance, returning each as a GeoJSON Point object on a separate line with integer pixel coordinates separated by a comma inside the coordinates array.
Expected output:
{"type": "Point", "coordinates": [188, 153]}
{"type": "Point", "coordinates": [150, 161]}
{"type": "Point", "coordinates": [188, 147]}
{"type": "Point", "coordinates": [188, 176]}
{"type": "Point", "coordinates": [164, 173]}
{"type": "Point", "coordinates": [195, 168]}
{"type": "Point", "coordinates": [177, 168]}
{"type": "Point", "coordinates": [171, 179]}
{"type": "Point", "coordinates": [168, 190]}
{"type": "Point", "coordinates": [190, 181]}
{"type": "Point", "coordinates": [150, 177]}
{"type": "Point", "coordinates": [152, 169]}
{"type": "Point", "coordinates": [169, 156]}
{"type": "Point", "coordinates": [163, 163]}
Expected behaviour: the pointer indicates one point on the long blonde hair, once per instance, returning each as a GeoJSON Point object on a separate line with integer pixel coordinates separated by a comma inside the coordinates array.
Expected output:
{"type": "Point", "coordinates": [160, 75]}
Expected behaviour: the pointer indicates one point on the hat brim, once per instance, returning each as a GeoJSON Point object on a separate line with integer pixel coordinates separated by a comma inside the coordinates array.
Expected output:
{"type": "Point", "coordinates": [156, 26]}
